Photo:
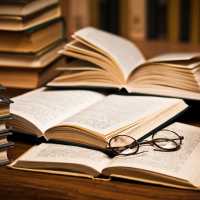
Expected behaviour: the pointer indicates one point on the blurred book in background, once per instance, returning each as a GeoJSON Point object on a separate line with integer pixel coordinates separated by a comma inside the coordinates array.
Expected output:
{"type": "Point", "coordinates": [169, 20]}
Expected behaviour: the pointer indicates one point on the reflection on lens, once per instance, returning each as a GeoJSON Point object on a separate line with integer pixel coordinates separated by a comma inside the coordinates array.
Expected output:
{"type": "Point", "coordinates": [167, 140]}
{"type": "Point", "coordinates": [166, 144]}
{"type": "Point", "coordinates": [121, 141]}
{"type": "Point", "coordinates": [124, 145]}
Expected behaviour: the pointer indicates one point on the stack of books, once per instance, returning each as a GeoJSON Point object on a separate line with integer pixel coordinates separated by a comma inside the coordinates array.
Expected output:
{"type": "Point", "coordinates": [31, 32]}
{"type": "Point", "coordinates": [4, 132]}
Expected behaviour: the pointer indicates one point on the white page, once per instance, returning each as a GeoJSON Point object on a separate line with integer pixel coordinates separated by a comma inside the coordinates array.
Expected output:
{"type": "Point", "coordinates": [169, 163]}
{"type": "Point", "coordinates": [117, 111]}
{"type": "Point", "coordinates": [56, 153]}
{"type": "Point", "coordinates": [48, 108]}
{"type": "Point", "coordinates": [123, 52]}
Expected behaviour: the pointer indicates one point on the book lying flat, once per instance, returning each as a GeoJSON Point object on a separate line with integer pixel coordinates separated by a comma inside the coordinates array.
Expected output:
{"type": "Point", "coordinates": [4, 141]}
{"type": "Point", "coordinates": [20, 23]}
{"type": "Point", "coordinates": [30, 77]}
{"type": "Point", "coordinates": [32, 40]}
{"type": "Point", "coordinates": [89, 118]}
{"type": "Point", "coordinates": [104, 60]}
{"type": "Point", "coordinates": [24, 9]}
{"type": "Point", "coordinates": [29, 71]}
{"type": "Point", "coordinates": [39, 59]}
{"type": "Point", "coordinates": [179, 169]}
{"type": "Point", "coordinates": [17, 2]}
{"type": "Point", "coordinates": [4, 108]}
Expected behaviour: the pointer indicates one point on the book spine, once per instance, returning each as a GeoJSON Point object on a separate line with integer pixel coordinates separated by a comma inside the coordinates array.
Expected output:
{"type": "Point", "coordinates": [152, 14]}
{"type": "Point", "coordinates": [162, 19]}
{"type": "Point", "coordinates": [123, 19]}
{"type": "Point", "coordinates": [173, 20]}
{"type": "Point", "coordinates": [137, 20]}
{"type": "Point", "coordinates": [185, 20]}
{"type": "Point", "coordinates": [94, 12]}
{"type": "Point", "coordinates": [195, 21]}
{"type": "Point", "coordinates": [77, 16]}
{"type": "Point", "coordinates": [109, 15]}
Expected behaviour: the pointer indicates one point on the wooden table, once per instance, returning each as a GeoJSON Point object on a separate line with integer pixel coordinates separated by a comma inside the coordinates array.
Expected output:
{"type": "Point", "coordinates": [15, 184]}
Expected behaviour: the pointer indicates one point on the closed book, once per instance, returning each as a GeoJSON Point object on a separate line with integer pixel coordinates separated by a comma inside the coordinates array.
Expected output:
{"type": "Point", "coordinates": [20, 23]}
{"type": "Point", "coordinates": [4, 108]}
{"type": "Point", "coordinates": [30, 78]}
{"type": "Point", "coordinates": [33, 39]}
{"type": "Point", "coordinates": [195, 22]}
{"type": "Point", "coordinates": [185, 25]}
{"type": "Point", "coordinates": [3, 120]}
{"type": "Point", "coordinates": [133, 15]}
{"type": "Point", "coordinates": [16, 1]}
{"type": "Point", "coordinates": [23, 9]}
{"type": "Point", "coordinates": [3, 152]}
{"type": "Point", "coordinates": [39, 59]}
{"type": "Point", "coordinates": [173, 20]}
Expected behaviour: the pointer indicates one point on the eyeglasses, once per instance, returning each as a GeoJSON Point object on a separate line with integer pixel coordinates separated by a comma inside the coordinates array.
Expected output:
{"type": "Point", "coordinates": [165, 140]}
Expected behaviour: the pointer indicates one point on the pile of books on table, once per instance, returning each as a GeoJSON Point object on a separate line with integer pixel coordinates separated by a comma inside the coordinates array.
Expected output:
{"type": "Point", "coordinates": [86, 118]}
{"type": "Point", "coordinates": [4, 132]}
{"type": "Point", "coordinates": [31, 32]}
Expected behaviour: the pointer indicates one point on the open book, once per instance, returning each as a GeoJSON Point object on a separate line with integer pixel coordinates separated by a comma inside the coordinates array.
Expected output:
{"type": "Point", "coordinates": [104, 60]}
{"type": "Point", "coordinates": [90, 118]}
{"type": "Point", "coordinates": [176, 169]}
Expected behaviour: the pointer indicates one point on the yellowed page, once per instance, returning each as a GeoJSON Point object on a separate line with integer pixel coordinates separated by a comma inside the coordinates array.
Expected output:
{"type": "Point", "coordinates": [64, 154]}
{"type": "Point", "coordinates": [118, 112]}
{"type": "Point", "coordinates": [181, 56]}
{"type": "Point", "coordinates": [183, 164]}
{"type": "Point", "coordinates": [46, 108]}
{"type": "Point", "coordinates": [124, 53]}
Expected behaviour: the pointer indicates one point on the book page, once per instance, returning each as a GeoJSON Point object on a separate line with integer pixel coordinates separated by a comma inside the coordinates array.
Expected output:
{"type": "Point", "coordinates": [46, 108]}
{"type": "Point", "coordinates": [123, 52]}
{"type": "Point", "coordinates": [168, 163]}
{"type": "Point", "coordinates": [56, 153]}
{"type": "Point", "coordinates": [175, 57]}
{"type": "Point", "coordinates": [117, 112]}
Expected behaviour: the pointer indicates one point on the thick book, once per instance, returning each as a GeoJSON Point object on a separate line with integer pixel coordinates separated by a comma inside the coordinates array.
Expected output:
{"type": "Point", "coordinates": [173, 20]}
{"type": "Point", "coordinates": [4, 144]}
{"type": "Point", "coordinates": [104, 60]}
{"type": "Point", "coordinates": [39, 59]}
{"type": "Point", "coordinates": [32, 40]}
{"type": "Point", "coordinates": [29, 71]}
{"type": "Point", "coordinates": [19, 23]}
{"type": "Point", "coordinates": [3, 151]}
{"type": "Point", "coordinates": [134, 13]}
{"type": "Point", "coordinates": [30, 77]}
{"type": "Point", "coordinates": [3, 120]}
{"type": "Point", "coordinates": [179, 169]}
{"type": "Point", "coordinates": [4, 108]}
{"type": "Point", "coordinates": [90, 118]}
{"type": "Point", "coordinates": [17, 9]}
{"type": "Point", "coordinates": [16, 1]}
{"type": "Point", "coordinates": [194, 21]}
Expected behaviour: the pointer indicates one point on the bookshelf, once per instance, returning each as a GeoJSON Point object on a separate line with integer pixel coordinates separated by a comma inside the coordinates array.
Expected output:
{"type": "Point", "coordinates": [173, 21]}
{"type": "Point", "coordinates": [152, 48]}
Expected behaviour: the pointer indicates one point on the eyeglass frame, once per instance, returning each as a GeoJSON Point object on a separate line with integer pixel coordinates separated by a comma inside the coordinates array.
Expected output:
{"type": "Point", "coordinates": [116, 151]}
